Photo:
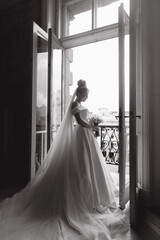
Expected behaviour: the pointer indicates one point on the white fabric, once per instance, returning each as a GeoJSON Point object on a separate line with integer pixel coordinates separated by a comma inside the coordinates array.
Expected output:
{"type": "Point", "coordinates": [62, 200]}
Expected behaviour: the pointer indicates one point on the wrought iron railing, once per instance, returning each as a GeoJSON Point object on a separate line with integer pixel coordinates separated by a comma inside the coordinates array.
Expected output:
{"type": "Point", "coordinates": [41, 147]}
{"type": "Point", "coordinates": [110, 143]}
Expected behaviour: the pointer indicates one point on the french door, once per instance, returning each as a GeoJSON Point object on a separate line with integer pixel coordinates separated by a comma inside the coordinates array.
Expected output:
{"type": "Point", "coordinates": [39, 98]}
{"type": "Point", "coordinates": [47, 94]}
{"type": "Point", "coordinates": [123, 113]}
{"type": "Point", "coordinates": [135, 104]}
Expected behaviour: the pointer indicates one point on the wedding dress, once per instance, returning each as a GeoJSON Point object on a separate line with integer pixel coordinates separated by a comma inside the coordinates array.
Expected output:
{"type": "Point", "coordinates": [71, 197]}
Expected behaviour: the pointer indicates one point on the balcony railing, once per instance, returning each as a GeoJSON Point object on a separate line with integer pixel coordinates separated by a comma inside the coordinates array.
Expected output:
{"type": "Point", "coordinates": [110, 143]}
{"type": "Point", "coordinates": [41, 147]}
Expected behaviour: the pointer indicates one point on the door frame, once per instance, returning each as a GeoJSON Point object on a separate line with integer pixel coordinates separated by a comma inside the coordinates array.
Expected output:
{"type": "Point", "coordinates": [95, 35]}
{"type": "Point", "coordinates": [52, 41]}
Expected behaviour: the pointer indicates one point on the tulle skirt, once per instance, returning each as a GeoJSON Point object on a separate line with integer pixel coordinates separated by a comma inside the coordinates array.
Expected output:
{"type": "Point", "coordinates": [73, 198]}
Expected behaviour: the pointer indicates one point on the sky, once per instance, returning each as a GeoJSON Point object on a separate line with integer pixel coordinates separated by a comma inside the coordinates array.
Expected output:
{"type": "Point", "coordinates": [42, 79]}
{"type": "Point", "coordinates": [98, 64]}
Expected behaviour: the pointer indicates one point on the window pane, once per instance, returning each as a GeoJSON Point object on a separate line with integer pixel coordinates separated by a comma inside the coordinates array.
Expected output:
{"type": "Point", "coordinates": [56, 92]}
{"type": "Point", "coordinates": [108, 13]}
{"type": "Point", "coordinates": [79, 17]}
{"type": "Point", "coordinates": [41, 113]}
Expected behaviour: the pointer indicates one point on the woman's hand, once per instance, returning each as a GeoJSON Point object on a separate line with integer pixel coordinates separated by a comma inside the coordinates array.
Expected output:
{"type": "Point", "coordinates": [95, 128]}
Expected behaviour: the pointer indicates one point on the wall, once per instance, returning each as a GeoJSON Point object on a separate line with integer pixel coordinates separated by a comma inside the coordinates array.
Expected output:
{"type": "Point", "coordinates": [16, 41]}
{"type": "Point", "coordinates": [155, 99]}
{"type": "Point", "coordinates": [150, 33]}
{"type": "Point", "coordinates": [15, 97]}
{"type": "Point", "coordinates": [146, 103]}
{"type": "Point", "coordinates": [16, 27]}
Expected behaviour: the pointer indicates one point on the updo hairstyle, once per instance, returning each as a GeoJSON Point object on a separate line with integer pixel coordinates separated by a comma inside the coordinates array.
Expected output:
{"type": "Point", "coordinates": [82, 87]}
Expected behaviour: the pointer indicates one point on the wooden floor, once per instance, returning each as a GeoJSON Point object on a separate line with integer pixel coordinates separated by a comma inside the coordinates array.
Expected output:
{"type": "Point", "coordinates": [129, 235]}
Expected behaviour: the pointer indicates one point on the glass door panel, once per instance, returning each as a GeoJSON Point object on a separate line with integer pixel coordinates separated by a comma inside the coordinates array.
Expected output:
{"type": "Point", "coordinates": [39, 98]}
{"type": "Point", "coordinates": [41, 106]}
{"type": "Point", "coordinates": [55, 86]}
{"type": "Point", "coordinates": [56, 94]}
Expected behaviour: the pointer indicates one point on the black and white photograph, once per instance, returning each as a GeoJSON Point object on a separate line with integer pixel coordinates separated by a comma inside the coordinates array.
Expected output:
{"type": "Point", "coordinates": [80, 120]}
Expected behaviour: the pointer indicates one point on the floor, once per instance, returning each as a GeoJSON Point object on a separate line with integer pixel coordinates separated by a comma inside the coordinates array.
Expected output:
{"type": "Point", "coordinates": [129, 235]}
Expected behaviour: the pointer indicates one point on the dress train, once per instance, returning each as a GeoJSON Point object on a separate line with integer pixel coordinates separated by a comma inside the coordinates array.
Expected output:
{"type": "Point", "coordinates": [71, 197]}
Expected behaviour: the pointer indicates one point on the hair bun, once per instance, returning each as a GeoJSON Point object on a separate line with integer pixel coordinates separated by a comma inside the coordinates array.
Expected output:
{"type": "Point", "coordinates": [81, 83]}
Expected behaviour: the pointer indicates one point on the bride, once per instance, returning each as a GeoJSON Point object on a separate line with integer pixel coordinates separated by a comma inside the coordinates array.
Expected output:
{"type": "Point", "coordinates": [72, 196]}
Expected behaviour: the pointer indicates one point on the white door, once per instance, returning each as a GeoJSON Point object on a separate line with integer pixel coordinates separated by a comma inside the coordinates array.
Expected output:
{"type": "Point", "coordinates": [47, 95]}
{"type": "Point", "coordinates": [123, 113]}
{"type": "Point", "coordinates": [39, 97]}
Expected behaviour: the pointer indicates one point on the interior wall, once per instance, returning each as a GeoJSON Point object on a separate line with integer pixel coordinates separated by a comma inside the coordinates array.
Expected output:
{"type": "Point", "coordinates": [15, 97]}
{"type": "Point", "coordinates": [150, 31]}
{"type": "Point", "coordinates": [155, 99]}
{"type": "Point", "coordinates": [16, 27]}
{"type": "Point", "coordinates": [146, 71]}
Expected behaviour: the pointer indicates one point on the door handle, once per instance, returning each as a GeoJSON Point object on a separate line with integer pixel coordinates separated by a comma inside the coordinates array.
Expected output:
{"type": "Point", "coordinates": [124, 117]}
{"type": "Point", "coordinates": [137, 116]}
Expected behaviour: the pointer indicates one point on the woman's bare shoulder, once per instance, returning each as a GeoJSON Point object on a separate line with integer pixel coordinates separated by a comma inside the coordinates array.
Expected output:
{"type": "Point", "coordinates": [74, 104]}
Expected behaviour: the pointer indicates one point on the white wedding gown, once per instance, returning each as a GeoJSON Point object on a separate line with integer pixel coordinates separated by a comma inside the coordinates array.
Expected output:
{"type": "Point", "coordinates": [72, 197]}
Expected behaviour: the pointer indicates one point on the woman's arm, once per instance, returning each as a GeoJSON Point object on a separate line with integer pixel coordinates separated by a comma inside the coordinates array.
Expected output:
{"type": "Point", "coordinates": [81, 121]}
{"type": "Point", "coordinates": [84, 123]}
